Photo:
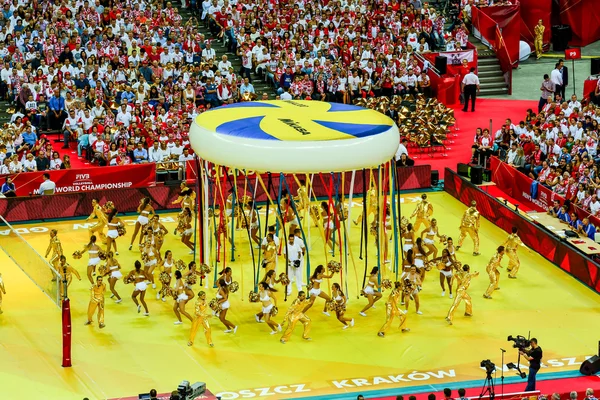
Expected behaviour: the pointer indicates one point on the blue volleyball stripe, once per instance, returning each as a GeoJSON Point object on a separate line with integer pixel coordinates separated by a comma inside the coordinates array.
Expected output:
{"type": "Point", "coordinates": [245, 128]}
{"type": "Point", "coordinates": [356, 130]}
{"type": "Point", "coordinates": [344, 107]}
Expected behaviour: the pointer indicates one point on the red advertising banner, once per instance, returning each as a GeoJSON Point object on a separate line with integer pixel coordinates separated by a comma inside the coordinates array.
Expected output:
{"type": "Point", "coordinates": [16, 209]}
{"type": "Point", "coordinates": [518, 186]}
{"type": "Point", "coordinates": [87, 180]}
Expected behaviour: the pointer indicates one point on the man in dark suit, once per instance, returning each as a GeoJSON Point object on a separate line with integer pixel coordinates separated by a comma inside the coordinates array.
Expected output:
{"type": "Point", "coordinates": [565, 77]}
{"type": "Point", "coordinates": [392, 113]}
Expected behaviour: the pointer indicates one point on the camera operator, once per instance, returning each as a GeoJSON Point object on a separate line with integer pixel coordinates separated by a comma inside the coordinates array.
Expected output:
{"type": "Point", "coordinates": [534, 355]}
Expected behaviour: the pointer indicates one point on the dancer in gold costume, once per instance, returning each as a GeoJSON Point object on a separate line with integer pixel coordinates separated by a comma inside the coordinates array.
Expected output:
{"type": "Point", "coordinates": [294, 315]}
{"type": "Point", "coordinates": [392, 310]}
{"type": "Point", "coordinates": [539, 38]}
{"type": "Point", "coordinates": [98, 214]}
{"type": "Point", "coordinates": [511, 245]}
{"type": "Point", "coordinates": [2, 292]}
{"type": "Point", "coordinates": [423, 212]}
{"type": "Point", "coordinates": [269, 254]}
{"type": "Point", "coordinates": [371, 205]}
{"type": "Point", "coordinates": [494, 274]}
{"type": "Point", "coordinates": [252, 219]}
{"type": "Point", "coordinates": [55, 248]}
{"type": "Point", "coordinates": [302, 199]}
{"type": "Point", "coordinates": [201, 315]}
{"type": "Point", "coordinates": [463, 276]}
{"type": "Point", "coordinates": [470, 224]}
{"type": "Point", "coordinates": [66, 273]}
{"type": "Point", "coordinates": [97, 301]}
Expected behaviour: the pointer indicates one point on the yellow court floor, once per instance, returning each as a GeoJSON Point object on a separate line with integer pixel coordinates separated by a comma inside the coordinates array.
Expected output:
{"type": "Point", "coordinates": [135, 353]}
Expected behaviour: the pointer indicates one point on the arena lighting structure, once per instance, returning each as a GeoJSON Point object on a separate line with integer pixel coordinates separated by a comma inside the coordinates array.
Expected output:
{"type": "Point", "coordinates": [298, 144]}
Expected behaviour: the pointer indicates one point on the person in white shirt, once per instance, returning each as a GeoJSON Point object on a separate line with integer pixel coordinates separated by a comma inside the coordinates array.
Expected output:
{"type": "Point", "coordinates": [556, 78]}
{"type": "Point", "coordinates": [285, 95]}
{"type": "Point", "coordinates": [47, 187]}
{"type": "Point", "coordinates": [124, 116]}
{"type": "Point", "coordinates": [156, 154]}
{"type": "Point", "coordinates": [470, 88]}
{"type": "Point", "coordinates": [29, 164]}
{"type": "Point", "coordinates": [71, 128]}
{"type": "Point", "coordinates": [224, 65]}
{"type": "Point", "coordinates": [594, 205]}
{"type": "Point", "coordinates": [208, 53]}
{"type": "Point", "coordinates": [574, 103]}
{"type": "Point", "coordinates": [294, 257]}
{"type": "Point", "coordinates": [300, 242]}
{"type": "Point", "coordinates": [176, 149]}
{"type": "Point", "coordinates": [512, 153]}
{"type": "Point", "coordinates": [185, 156]}
{"type": "Point", "coordinates": [401, 150]}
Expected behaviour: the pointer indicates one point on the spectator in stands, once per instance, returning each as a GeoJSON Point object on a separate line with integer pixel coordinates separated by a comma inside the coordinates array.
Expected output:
{"type": "Point", "coordinates": [153, 394]}
{"type": "Point", "coordinates": [57, 111]}
{"type": "Point", "coordinates": [448, 394]}
{"type": "Point", "coordinates": [42, 162]}
{"type": "Point", "coordinates": [140, 154]}
{"type": "Point", "coordinates": [461, 391]}
{"type": "Point", "coordinates": [431, 396]}
{"type": "Point", "coordinates": [589, 394]}
{"type": "Point", "coordinates": [573, 395]}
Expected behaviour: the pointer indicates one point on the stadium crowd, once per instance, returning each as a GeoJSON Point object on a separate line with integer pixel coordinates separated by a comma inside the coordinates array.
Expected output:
{"type": "Point", "coordinates": [121, 81]}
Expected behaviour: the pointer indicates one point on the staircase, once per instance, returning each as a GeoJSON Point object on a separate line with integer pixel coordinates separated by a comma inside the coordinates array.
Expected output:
{"type": "Point", "coordinates": [490, 75]}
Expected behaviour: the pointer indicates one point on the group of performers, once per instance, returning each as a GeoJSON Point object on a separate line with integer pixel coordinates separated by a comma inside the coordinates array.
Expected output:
{"type": "Point", "coordinates": [419, 255]}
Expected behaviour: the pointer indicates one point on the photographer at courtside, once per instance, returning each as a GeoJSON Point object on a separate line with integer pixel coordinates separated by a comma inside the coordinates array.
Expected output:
{"type": "Point", "coordinates": [534, 355]}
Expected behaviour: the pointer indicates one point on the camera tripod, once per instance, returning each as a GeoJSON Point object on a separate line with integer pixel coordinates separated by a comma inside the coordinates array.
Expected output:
{"type": "Point", "coordinates": [488, 387]}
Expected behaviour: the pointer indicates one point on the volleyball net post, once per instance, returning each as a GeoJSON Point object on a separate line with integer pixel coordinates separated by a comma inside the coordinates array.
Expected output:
{"type": "Point", "coordinates": [42, 274]}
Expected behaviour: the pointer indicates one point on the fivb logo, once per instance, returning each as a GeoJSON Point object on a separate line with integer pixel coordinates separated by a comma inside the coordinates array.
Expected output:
{"type": "Point", "coordinates": [82, 179]}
